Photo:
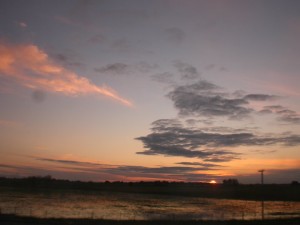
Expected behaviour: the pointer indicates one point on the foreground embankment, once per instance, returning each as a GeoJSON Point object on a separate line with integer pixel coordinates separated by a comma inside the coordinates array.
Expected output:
{"type": "Point", "coordinates": [18, 220]}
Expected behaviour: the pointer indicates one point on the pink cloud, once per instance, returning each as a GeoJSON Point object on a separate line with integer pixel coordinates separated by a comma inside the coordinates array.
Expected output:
{"type": "Point", "coordinates": [22, 24]}
{"type": "Point", "coordinates": [31, 67]}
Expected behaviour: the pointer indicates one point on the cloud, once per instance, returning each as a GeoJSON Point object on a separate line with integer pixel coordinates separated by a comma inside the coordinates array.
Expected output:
{"type": "Point", "coordinates": [175, 34]}
{"type": "Point", "coordinates": [171, 138]}
{"type": "Point", "coordinates": [115, 68]}
{"type": "Point", "coordinates": [70, 162]}
{"type": "Point", "coordinates": [166, 78]}
{"type": "Point", "coordinates": [187, 71]}
{"type": "Point", "coordinates": [260, 97]}
{"type": "Point", "coordinates": [284, 114]}
{"type": "Point", "coordinates": [205, 165]}
{"type": "Point", "coordinates": [31, 67]}
{"type": "Point", "coordinates": [154, 170]}
{"type": "Point", "coordinates": [187, 172]}
{"type": "Point", "coordinates": [38, 96]}
{"type": "Point", "coordinates": [65, 60]}
{"type": "Point", "coordinates": [126, 69]}
{"type": "Point", "coordinates": [22, 24]}
{"type": "Point", "coordinates": [193, 122]}
{"type": "Point", "coordinates": [203, 98]}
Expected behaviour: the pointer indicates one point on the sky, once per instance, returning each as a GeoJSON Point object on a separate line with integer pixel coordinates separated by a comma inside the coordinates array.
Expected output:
{"type": "Point", "coordinates": [193, 90]}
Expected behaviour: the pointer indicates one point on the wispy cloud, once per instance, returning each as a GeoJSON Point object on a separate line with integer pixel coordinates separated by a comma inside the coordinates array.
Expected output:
{"type": "Point", "coordinates": [71, 162]}
{"type": "Point", "coordinates": [284, 114]}
{"type": "Point", "coordinates": [128, 172]}
{"type": "Point", "coordinates": [67, 61]}
{"type": "Point", "coordinates": [120, 68]}
{"type": "Point", "coordinates": [200, 164]}
{"type": "Point", "coordinates": [22, 24]}
{"type": "Point", "coordinates": [31, 67]}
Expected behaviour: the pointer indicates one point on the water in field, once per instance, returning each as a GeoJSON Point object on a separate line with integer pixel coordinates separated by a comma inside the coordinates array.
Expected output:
{"type": "Point", "coordinates": [122, 206]}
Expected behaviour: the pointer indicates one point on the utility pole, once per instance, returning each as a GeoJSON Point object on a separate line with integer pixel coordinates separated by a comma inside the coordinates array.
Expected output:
{"type": "Point", "coordinates": [262, 200]}
{"type": "Point", "coordinates": [262, 176]}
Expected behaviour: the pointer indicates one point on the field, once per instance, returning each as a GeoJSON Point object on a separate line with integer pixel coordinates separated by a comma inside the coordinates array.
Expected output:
{"type": "Point", "coordinates": [50, 201]}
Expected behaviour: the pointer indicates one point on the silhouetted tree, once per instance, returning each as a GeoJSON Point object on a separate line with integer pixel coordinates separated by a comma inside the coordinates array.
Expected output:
{"type": "Point", "coordinates": [231, 182]}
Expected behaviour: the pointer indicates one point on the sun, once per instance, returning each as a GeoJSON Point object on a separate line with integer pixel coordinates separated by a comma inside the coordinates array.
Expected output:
{"type": "Point", "coordinates": [212, 182]}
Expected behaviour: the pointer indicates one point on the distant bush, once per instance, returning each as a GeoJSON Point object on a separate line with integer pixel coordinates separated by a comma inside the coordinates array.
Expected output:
{"type": "Point", "coordinates": [294, 182]}
{"type": "Point", "coordinates": [231, 182]}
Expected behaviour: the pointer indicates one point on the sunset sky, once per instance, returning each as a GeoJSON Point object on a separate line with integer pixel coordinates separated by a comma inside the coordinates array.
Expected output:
{"type": "Point", "coordinates": [185, 90]}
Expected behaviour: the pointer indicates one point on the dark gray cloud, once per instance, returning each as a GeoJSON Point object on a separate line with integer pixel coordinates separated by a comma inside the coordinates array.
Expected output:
{"type": "Point", "coordinates": [154, 170]}
{"type": "Point", "coordinates": [175, 34]}
{"type": "Point", "coordinates": [283, 114]}
{"type": "Point", "coordinates": [187, 71]}
{"type": "Point", "coordinates": [206, 99]}
{"type": "Point", "coordinates": [193, 122]}
{"type": "Point", "coordinates": [126, 69]}
{"type": "Point", "coordinates": [201, 99]}
{"type": "Point", "coordinates": [184, 173]}
{"type": "Point", "coordinates": [170, 138]}
{"type": "Point", "coordinates": [114, 68]}
{"type": "Point", "coordinates": [38, 96]}
{"type": "Point", "coordinates": [166, 78]}
{"type": "Point", "coordinates": [70, 162]}
{"type": "Point", "coordinates": [260, 97]}
{"type": "Point", "coordinates": [67, 60]}
{"type": "Point", "coordinates": [201, 164]}
{"type": "Point", "coordinates": [222, 129]}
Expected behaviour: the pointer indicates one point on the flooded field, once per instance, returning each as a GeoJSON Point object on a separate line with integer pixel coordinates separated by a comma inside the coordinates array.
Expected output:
{"type": "Point", "coordinates": [122, 206]}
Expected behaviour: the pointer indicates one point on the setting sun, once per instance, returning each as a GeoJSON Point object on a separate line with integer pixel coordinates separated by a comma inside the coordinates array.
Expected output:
{"type": "Point", "coordinates": [212, 182]}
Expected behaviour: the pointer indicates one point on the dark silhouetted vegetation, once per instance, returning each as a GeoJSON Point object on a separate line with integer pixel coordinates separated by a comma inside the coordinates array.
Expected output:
{"type": "Point", "coordinates": [230, 189]}
{"type": "Point", "coordinates": [231, 182]}
{"type": "Point", "coordinates": [295, 182]}
{"type": "Point", "coordinates": [18, 220]}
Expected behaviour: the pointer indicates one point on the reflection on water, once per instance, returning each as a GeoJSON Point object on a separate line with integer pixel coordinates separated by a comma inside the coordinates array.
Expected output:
{"type": "Point", "coordinates": [123, 206]}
